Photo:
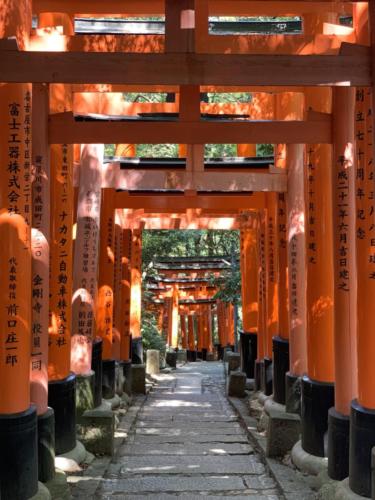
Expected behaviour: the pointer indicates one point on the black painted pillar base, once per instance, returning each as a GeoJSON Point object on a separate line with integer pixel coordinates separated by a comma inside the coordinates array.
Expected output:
{"type": "Point", "coordinates": [362, 440]}
{"type": "Point", "coordinates": [293, 393]}
{"type": "Point", "coordinates": [126, 367]}
{"type": "Point", "coordinates": [46, 446]}
{"type": "Point", "coordinates": [62, 398]}
{"type": "Point", "coordinates": [109, 378]}
{"type": "Point", "coordinates": [338, 445]}
{"type": "Point", "coordinates": [204, 354]}
{"type": "Point", "coordinates": [266, 376]}
{"type": "Point", "coordinates": [248, 349]}
{"type": "Point", "coordinates": [191, 356]}
{"type": "Point", "coordinates": [280, 349]}
{"type": "Point", "coordinates": [220, 352]}
{"type": "Point", "coordinates": [137, 351]}
{"type": "Point", "coordinates": [96, 366]}
{"type": "Point", "coordinates": [258, 369]}
{"type": "Point", "coordinates": [199, 354]}
{"type": "Point", "coordinates": [19, 455]}
{"type": "Point", "coordinates": [317, 399]}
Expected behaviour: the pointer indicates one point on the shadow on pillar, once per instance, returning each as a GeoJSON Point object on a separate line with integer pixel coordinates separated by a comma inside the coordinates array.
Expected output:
{"type": "Point", "coordinates": [317, 399]}
{"type": "Point", "coordinates": [19, 455]}
{"type": "Point", "coordinates": [137, 351]}
{"type": "Point", "coordinates": [280, 349]}
{"type": "Point", "coordinates": [248, 350]}
{"type": "Point", "coordinates": [62, 398]}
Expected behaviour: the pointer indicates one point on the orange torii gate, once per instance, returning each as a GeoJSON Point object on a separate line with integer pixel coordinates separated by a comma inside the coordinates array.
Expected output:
{"type": "Point", "coordinates": [322, 117]}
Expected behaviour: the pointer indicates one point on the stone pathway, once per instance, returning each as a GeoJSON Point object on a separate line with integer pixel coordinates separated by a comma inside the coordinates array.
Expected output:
{"type": "Point", "coordinates": [187, 442]}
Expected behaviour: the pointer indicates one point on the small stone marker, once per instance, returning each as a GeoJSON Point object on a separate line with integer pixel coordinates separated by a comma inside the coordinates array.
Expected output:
{"type": "Point", "coordinates": [234, 361]}
{"type": "Point", "coordinates": [139, 379]}
{"type": "Point", "coordinates": [153, 362]}
{"type": "Point", "coordinates": [236, 384]}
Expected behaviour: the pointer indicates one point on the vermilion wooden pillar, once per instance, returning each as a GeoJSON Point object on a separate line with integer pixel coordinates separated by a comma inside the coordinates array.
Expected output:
{"type": "Point", "coordinates": [296, 241]}
{"type": "Point", "coordinates": [362, 420]}
{"type": "Point", "coordinates": [272, 276]}
{"type": "Point", "coordinates": [136, 296]}
{"type": "Point", "coordinates": [86, 253]}
{"type": "Point", "coordinates": [18, 422]}
{"type": "Point", "coordinates": [345, 281]}
{"type": "Point", "coordinates": [105, 298]}
{"type": "Point", "coordinates": [285, 108]}
{"type": "Point", "coordinates": [249, 288]}
{"type": "Point", "coordinates": [318, 385]}
{"type": "Point", "coordinates": [192, 353]}
{"type": "Point", "coordinates": [124, 305]}
{"type": "Point", "coordinates": [184, 339]}
{"type": "Point", "coordinates": [117, 287]}
{"type": "Point", "coordinates": [40, 235]}
{"type": "Point", "coordinates": [61, 386]}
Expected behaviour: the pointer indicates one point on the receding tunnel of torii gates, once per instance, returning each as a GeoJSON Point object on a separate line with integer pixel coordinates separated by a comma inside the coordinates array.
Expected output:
{"type": "Point", "coordinates": [187, 263]}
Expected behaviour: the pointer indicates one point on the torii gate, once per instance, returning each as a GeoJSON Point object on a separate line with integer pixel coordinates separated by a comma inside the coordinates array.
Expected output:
{"type": "Point", "coordinates": [323, 101]}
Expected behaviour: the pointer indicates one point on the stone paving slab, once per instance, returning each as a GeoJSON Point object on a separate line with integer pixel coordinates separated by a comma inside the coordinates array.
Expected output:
{"type": "Point", "coordinates": [186, 449]}
{"type": "Point", "coordinates": [172, 484]}
{"type": "Point", "coordinates": [188, 496]}
{"type": "Point", "coordinates": [163, 431]}
{"type": "Point", "coordinates": [241, 464]}
{"type": "Point", "coordinates": [192, 438]}
{"type": "Point", "coordinates": [218, 426]}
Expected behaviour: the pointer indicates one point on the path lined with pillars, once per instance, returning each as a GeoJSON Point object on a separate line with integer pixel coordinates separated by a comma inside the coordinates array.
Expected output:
{"type": "Point", "coordinates": [187, 441]}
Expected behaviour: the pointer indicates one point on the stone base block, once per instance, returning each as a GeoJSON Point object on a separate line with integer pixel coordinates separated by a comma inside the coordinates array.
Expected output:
{"type": "Point", "coordinates": [236, 384]}
{"type": "Point", "coordinates": [113, 403]}
{"type": "Point", "coordinates": [234, 361]}
{"type": "Point", "coordinates": [227, 352]}
{"type": "Point", "coordinates": [139, 379]}
{"type": "Point", "coordinates": [338, 490]}
{"type": "Point", "coordinates": [182, 356]}
{"type": "Point", "coordinates": [42, 494]}
{"type": "Point", "coordinates": [262, 398]}
{"type": "Point", "coordinates": [308, 463]}
{"type": "Point", "coordinates": [120, 379]}
{"type": "Point", "coordinates": [250, 384]}
{"type": "Point", "coordinates": [85, 389]}
{"type": "Point", "coordinates": [71, 461]}
{"type": "Point", "coordinates": [153, 362]}
{"type": "Point", "coordinates": [97, 430]}
{"type": "Point", "coordinates": [210, 356]}
{"type": "Point", "coordinates": [283, 429]}
{"type": "Point", "coordinates": [58, 486]}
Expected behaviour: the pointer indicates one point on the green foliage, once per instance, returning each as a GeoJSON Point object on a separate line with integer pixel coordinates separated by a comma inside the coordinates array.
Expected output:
{"type": "Point", "coordinates": [265, 149]}
{"type": "Point", "coordinates": [151, 337]}
{"type": "Point", "coordinates": [157, 150]}
{"type": "Point", "coordinates": [229, 97]}
{"type": "Point", "coordinates": [188, 243]}
{"type": "Point", "coordinates": [230, 286]}
{"type": "Point", "coordinates": [109, 150]}
{"type": "Point", "coordinates": [220, 150]}
{"type": "Point", "coordinates": [144, 96]}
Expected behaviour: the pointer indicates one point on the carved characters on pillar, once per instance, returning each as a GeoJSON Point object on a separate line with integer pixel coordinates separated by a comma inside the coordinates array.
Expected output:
{"type": "Point", "coordinates": [342, 209]}
{"type": "Point", "coordinates": [15, 262]}
{"type": "Point", "coordinates": [61, 261]}
{"type": "Point", "coordinates": [86, 256]}
{"type": "Point", "coordinates": [312, 245]}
